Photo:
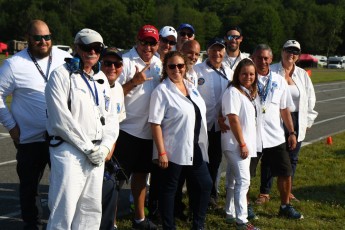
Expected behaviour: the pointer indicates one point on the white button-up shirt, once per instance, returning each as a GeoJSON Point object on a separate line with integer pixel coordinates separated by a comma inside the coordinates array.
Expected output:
{"type": "Point", "coordinates": [176, 115]}
{"type": "Point", "coordinates": [307, 99]}
{"type": "Point", "coordinates": [211, 91]}
{"type": "Point", "coordinates": [137, 101]}
{"type": "Point", "coordinates": [234, 102]}
{"type": "Point", "coordinates": [270, 131]}
{"type": "Point", "coordinates": [233, 65]}
{"type": "Point", "coordinates": [81, 124]}
{"type": "Point", "coordinates": [119, 101]}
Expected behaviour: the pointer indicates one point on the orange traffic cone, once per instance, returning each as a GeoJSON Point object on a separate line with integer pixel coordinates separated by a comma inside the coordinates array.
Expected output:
{"type": "Point", "coordinates": [329, 140]}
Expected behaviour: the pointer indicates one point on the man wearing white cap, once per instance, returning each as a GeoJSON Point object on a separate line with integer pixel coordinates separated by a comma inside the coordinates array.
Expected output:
{"type": "Point", "coordinates": [83, 127]}
{"type": "Point", "coordinates": [167, 41]}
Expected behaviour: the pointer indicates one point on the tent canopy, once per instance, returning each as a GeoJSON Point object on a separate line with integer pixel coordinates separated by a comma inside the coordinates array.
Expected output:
{"type": "Point", "coordinates": [307, 57]}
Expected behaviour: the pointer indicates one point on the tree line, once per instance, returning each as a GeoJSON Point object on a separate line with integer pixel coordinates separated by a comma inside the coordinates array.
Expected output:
{"type": "Point", "coordinates": [317, 24]}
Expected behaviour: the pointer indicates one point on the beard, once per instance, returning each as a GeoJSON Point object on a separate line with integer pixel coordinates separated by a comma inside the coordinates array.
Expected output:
{"type": "Point", "coordinates": [37, 52]}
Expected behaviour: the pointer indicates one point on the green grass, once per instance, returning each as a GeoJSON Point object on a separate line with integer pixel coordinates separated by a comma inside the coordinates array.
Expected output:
{"type": "Point", "coordinates": [319, 185]}
{"type": "Point", "coordinates": [327, 75]}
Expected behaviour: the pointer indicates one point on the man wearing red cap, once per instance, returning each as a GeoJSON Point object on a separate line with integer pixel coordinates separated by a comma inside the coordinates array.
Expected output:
{"type": "Point", "coordinates": [140, 75]}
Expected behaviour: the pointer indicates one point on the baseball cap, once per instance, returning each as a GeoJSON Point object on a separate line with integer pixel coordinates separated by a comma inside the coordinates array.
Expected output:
{"type": "Point", "coordinates": [148, 31]}
{"type": "Point", "coordinates": [292, 43]}
{"type": "Point", "coordinates": [168, 31]}
{"type": "Point", "coordinates": [87, 36]}
{"type": "Point", "coordinates": [185, 25]}
{"type": "Point", "coordinates": [112, 51]}
{"type": "Point", "coordinates": [216, 41]}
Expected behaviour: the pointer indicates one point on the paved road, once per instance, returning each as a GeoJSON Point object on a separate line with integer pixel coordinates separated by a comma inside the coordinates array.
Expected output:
{"type": "Point", "coordinates": [330, 105]}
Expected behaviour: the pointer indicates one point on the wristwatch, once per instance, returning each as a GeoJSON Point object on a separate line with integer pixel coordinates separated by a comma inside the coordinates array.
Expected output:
{"type": "Point", "coordinates": [293, 133]}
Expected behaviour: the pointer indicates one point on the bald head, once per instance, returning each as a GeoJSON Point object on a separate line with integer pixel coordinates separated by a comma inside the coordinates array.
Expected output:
{"type": "Point", "coordinates": [191, 49]}
{"type": "Point", "coordinates": [34, 25]}
{"type": "Point", "coordinates": [39, 39]}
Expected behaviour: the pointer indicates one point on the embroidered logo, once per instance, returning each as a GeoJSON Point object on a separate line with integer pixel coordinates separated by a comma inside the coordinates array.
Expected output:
{"type": "Point", "coordinates": [201, 81]}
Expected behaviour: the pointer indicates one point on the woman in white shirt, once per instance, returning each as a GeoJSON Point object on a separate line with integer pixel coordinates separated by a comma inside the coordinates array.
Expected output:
{"type": "Point", "coordinates": [239, 144]}
{"type": "Point", "coordinates": [178, 122]}
{"type": "Point", "coordinates": [303, 96]}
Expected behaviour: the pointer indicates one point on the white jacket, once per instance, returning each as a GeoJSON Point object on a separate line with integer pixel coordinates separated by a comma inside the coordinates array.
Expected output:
{"type": "Point", "coordinates": [307, 99]}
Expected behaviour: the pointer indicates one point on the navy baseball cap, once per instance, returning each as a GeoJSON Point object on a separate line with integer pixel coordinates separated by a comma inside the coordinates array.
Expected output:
{"type": "Point", "coordinates": [185, 25]}
{"type": "Point", "coordinates": [216, 41]}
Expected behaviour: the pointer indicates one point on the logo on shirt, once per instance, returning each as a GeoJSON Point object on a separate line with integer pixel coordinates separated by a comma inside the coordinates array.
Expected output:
{"type": "Point", "coordinates": [274, 86]}
{"type": "Point", "coordinates": [195, 92]}
{"type": "Point", "coordinates": [118, 107]}
{"type": "Point", "coordinates": [201, 81]}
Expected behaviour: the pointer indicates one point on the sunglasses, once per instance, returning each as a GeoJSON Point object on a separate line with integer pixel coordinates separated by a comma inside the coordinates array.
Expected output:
{"type": "Point", "coordinates": [293, 51]}
{"type": "Point", "coordinates": [145, 43]}
{"type": "Point", "coordinates": [167, 41]}
{"type": "Point", "coordinates": [117, 64]}
{"type": "Point", "coordinates": [182, 34]}
{"type": "Point", "coordinates": [39, 38]}
{"type": "Point", "coordinates": [230, 37]}
{"type": "Point", "coordinates": [87, 48]}
{"type": "Point", "coordinates": [173, 66]}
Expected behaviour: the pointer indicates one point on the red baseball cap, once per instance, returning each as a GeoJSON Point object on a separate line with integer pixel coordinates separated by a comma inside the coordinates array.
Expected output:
{"type": "Point", "coordinates": [148, 31]}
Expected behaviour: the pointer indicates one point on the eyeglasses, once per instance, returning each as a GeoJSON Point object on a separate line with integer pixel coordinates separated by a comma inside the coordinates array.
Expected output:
{"type": "Point", "coordinates": [182, 34]}
{"type": "Point", "coordinates": [98, 47]}
{"type": "Point", "coordinates": [167, 41]}
{"type": "Point", "coordinates": [117, 64]}
{"type": "Point", "coordinates": [145, 43]}
{"type": "Point", "coordinates": [230, 37]}
{"type": "Point", "coordinates": [173, 66]}
{"type": "Point", "coordinates": [292, 51]}
{"type": "Point", "coordinates": [39, 38]}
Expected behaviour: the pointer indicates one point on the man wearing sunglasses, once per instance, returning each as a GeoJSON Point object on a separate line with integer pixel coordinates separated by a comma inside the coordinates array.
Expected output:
{"type": "Point", "coordinates": [140, 76]}
{"type": "Point", "coordinates": [111, 66]}
{"type": "Point", "coordinates": [213, 78]}
{"type": "Point", "coordinates": [233, 39]}
{"type": "Point", "coordinates": [167, 41]}
{"type": "Point", "coordinates": [83, 127]}
{"type": "Point", "coordinates": [185, 32]}
{"type": "Point", "coordinates": [24, 76]}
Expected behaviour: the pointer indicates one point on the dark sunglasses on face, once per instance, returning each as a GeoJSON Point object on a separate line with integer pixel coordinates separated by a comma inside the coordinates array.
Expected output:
{"type": "Point", "coordinates": [173, 66]}
{"type": "Point", "coordinates": [182, 34]}
{"type": "Point", "coordinates": [39, 38]}
{"type": "Point", "coordinates": [230, 37]}
{"type": "Point", "coordinates": [117, 64]}
{"type": "Point", "coordinates": [167, 41]}
{"type": "Point", "coordinates": [292, 51]}
{"type": "Point", "coordinates": [87, 48]}
{"type": "Point", "coordinates": [145, 43]}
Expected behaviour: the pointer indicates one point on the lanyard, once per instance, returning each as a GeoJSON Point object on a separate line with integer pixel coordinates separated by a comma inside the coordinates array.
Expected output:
{"type": "Point", "coordinates": [232, 65]}
{"type": "Point", "coordinates": [221, 73]}
{"type": "Point", "coordinates": [94, 94]}
{"type": "Point", "coordinates": [264, 89]}
{"type": "Point", "coordinates": [45, 76]}
{"type": "Point", "coordinates": [251, 99]}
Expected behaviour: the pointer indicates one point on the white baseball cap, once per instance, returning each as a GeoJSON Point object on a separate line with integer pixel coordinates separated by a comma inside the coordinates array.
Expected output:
{"type": "Point", "coordinates": [292, 43]}
{"type": "Point", "coordinates": [168, 31]}
{"type": "Point", "coordinates": [87, 36]}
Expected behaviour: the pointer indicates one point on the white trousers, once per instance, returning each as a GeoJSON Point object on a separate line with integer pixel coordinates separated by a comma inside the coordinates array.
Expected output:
{"type": "Point", "coordinates": [237, 186]}
{"type": "Point", "coordinates": [75, 191]}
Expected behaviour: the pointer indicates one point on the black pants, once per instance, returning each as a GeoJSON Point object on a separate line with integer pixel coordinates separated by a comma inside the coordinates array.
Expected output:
{"type": "Point", "coordinates": [215, 158]}
{"type": "Point", "coordinates": [32, 159]}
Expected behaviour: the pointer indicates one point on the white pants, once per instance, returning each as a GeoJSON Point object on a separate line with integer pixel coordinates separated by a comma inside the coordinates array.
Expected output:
{"type": "Point", "coordinates": [75, 192]}
{"type": "Point", "coordinates": [237, 186]}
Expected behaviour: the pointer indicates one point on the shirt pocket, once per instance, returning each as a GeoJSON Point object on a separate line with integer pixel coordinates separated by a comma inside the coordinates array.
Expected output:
{"type": "Point", "coordinates": [277, 94]}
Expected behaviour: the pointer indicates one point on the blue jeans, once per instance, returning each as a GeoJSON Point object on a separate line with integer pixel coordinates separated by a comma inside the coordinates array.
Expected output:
{"type": "Point", "coordinates": [200, 183]}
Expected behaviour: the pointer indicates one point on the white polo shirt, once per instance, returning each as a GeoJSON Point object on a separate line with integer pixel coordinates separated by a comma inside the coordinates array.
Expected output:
{"type": "Point", "coordinates": [137, 101]}
{"type": "Point", "coordinates": [233, 64]}
{"type": "Point", "coordinates": [191, 75]}
{"type": "Point", "coordinates": [270, 131]}
{"type": "Point", "coordinates": [176, 115]}
{"type": "Point", "coordinates": [116, 95]}
{"type": "Point", "coordinates": [20, 77]}
{"type": "Point", "coordinates": [211, 86]}
{"type": "Point", "coordinates": [234, 102]}
{"type": "Point", "coordinates": [307, 99]}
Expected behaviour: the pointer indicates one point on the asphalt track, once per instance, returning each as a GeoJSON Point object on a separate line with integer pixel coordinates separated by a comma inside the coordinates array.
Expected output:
{"type": "Point", "coordinates": [330, 105]}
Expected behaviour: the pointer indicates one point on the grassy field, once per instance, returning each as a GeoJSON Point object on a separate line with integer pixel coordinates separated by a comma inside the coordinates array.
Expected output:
{"type": "Point", "coordinates": [319, 185]}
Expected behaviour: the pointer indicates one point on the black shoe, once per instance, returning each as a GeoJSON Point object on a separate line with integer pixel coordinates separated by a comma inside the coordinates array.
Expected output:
{"type": "Point", "coordinates": [144, 225]}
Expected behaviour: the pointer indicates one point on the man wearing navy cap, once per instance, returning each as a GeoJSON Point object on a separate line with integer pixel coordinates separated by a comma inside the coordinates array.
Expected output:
{"type": "Point", "coordinates": [213, 78]}
{"type": "Point", "coordinates": [185, 32]}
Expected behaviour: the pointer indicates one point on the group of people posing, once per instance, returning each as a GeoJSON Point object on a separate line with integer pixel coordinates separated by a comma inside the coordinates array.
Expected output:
{"type": "Point", "coordinates": [100, 117]}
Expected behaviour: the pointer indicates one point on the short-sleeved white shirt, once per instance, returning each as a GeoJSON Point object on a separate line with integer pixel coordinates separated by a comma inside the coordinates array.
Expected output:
{"type": "Point", "coordinates": [209, 91]}
{"type": "Point", "coordinates": [20, 77]}
{"type": "Point", "coordinates": [137, 101]}
{"type": "Point", "coordinates": [175, 113]}
{"type": "Point", "coordinates": [116, 95]}
{"type": "Point", "coordinates": [234, 102]}
{"type": "Point", "coordinates": [233, 64]}
{"type": "Point", "coordinates": [269, 124]}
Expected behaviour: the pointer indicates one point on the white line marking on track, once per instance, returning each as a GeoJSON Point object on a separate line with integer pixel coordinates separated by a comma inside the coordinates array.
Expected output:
{"type": "Point", "coordinates": [330, 119]}
{"type": "Point", "coordinates": [8, 162]}
{"type": "Point", "coordinates": [332, 99]}
{"type": "Point", "coordinates": [329, 90]}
